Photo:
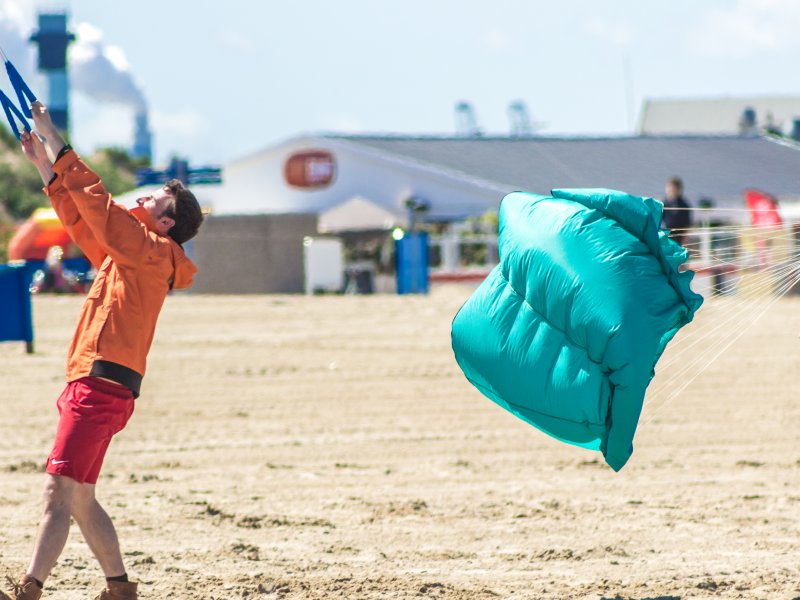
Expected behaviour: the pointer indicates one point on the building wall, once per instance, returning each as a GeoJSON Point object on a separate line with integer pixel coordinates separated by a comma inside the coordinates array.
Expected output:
{"type": "Point", "coordinates": [256, 184]}
{"type": "Point", "coordinates": [715, 116]}
{"type": "Point", "coordinates": [251, 254]}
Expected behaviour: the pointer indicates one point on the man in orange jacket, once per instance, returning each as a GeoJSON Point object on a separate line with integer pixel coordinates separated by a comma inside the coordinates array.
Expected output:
{"type": "Point", "coordinates": [139, 259]}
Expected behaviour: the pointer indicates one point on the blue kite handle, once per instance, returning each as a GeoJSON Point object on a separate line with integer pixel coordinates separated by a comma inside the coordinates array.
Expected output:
{"type": "Point", "coordinates": [11, 111]}
{"type": "Point", "coordinates": [24, 93]}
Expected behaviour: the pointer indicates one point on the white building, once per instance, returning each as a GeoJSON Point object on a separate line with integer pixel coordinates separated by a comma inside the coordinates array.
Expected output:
{"type": "Point", "coordinates": [318, 173]}
{"type": "Point", "coordinates": [457, 178]}
{"type": "Point", "coordinates": [366, 182]}
{"type": "Point", "coordinates": [718, 116]}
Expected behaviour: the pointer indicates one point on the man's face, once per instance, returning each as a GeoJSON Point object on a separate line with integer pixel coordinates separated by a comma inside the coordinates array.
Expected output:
{"type": "Point", "coordinates": [672, 191]}
{"type": "Point", "coordinates": [156, 204]}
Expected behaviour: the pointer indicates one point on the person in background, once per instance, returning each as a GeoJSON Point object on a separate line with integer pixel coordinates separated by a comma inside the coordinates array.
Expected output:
{"type": "Point", "coordinates": [677, 215]}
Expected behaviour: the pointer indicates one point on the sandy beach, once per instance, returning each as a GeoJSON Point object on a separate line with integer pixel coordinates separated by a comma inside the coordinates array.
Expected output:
{"type": "Point", "coordinates": [329, 447]}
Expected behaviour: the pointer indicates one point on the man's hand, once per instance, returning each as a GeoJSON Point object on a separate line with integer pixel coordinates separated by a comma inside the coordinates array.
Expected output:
{"type": "Point", "coordinates": [44, 125]}
{"type": "Point", "coordinates": [42, 119]}
{"type": "Point", "coordinates": [34, 150]}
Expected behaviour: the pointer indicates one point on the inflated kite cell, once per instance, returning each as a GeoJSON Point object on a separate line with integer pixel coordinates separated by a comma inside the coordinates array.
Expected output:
{"type": "Point", "coordinates": [565, 332]}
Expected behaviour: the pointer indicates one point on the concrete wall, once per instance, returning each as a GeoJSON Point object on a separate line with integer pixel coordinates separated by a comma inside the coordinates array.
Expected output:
{"type": "Point", "coordinates": [251, 254]}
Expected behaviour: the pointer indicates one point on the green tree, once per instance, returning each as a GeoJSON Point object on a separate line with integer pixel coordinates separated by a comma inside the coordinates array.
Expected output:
{"type": "Point", "coordinates": [21, 186]}
{"type": "Point", "coordinates": [20, 190]}
{"type": "Point", "coordinates": [7, 139]}
{"type": "Point", "coordinates": [116, 169]}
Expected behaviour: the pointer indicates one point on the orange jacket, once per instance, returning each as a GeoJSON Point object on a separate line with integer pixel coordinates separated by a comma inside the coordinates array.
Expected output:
{"type": "Point", "coordinates": [136, 268]}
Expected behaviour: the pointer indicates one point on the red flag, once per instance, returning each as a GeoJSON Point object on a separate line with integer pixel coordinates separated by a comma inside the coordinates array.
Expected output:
{"type": "Point", "coordinates": [763, 208]}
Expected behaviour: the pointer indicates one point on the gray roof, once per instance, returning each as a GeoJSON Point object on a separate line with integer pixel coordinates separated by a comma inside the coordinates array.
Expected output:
{"type": "Point", "coordinates": [719, 167]}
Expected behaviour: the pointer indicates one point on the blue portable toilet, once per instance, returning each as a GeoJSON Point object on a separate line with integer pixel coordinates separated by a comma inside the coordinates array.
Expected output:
{"type": "Point", "coordinates": [411, 251]}
{"type": "Point", "coordinates": [16, 316]}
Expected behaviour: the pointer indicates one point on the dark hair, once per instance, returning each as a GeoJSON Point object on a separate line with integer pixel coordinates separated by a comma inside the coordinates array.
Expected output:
{"type": "Point", "coordinates": [677, 183]}
{"type": "Point", "coordinates": [185, 210]}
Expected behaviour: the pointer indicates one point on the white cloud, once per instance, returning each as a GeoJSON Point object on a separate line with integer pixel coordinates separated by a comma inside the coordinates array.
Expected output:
{"type": "Point", "coordinates": [236, 40]}
{"type": "Point", "coordinates": [184, 132]}
{"type": "Point", "coordinates": [748, 27]}
{"type": "Point", "coordinates": [342, 123]}
{"type": "Point", "coordinates": [96, 125]}
{"type": "Point", "coordinates": [88, 34]}
{"type": "Point", "coordinates": [496, 40]}
{"type": "Point", "coordinates": [184, 123]}
{"type": "Point", "coordinates": [101, 71]}
{"type": "Point", "coordinates": [16, 24]}
{"type": "Point", "coordinates": [19, 12]}
{"type": "Point", "coordinates": [116, 56]}
{"type": "Point", "coordinates": [614, 32]}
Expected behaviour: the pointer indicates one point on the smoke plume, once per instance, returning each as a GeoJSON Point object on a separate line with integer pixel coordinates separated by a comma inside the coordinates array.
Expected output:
{"type": "Point", "coordinates": [101, 71]}
{"type": "Point", "coordinates": [97, 69]}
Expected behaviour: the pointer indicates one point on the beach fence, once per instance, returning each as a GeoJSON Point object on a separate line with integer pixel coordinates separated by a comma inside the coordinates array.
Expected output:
{"type": "Point", "coordinates": [16, 323]}
{"type": "Point", "coordinates": [746, 261]}
{"type": "Point", "coordinates": [728, 258]}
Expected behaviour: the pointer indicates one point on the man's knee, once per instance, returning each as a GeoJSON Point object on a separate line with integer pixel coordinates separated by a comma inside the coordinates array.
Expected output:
{"type": "Point", "coordinates": [58, 494]}
{"type": "Point", "coordinates": [83, 500]}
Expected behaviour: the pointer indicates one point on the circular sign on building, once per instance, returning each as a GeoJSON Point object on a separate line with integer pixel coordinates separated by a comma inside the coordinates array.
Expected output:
{"type": "Point", "coordinates": [310, 169]}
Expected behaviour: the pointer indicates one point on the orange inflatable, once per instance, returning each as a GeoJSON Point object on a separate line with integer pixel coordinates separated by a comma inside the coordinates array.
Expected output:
{"type": "Point", "coordinates": [34, 237]}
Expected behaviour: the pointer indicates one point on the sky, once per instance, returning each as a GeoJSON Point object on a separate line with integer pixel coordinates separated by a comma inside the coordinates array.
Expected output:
{"type": "Point", "coordinates": [222, 79]}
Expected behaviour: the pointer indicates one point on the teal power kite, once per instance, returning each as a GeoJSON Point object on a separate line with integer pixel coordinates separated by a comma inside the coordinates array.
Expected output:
{"type": "Point", "coordinates": [566, 331]}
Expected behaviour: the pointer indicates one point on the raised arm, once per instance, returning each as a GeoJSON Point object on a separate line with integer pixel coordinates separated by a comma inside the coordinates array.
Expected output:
{"type": "Point", "coordinates": [34, 150]}
{"type": "Point", "coordinates": [116, 231]}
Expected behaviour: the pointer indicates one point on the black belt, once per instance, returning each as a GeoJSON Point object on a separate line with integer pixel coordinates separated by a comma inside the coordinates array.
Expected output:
{"type": "Point", "coordinates": [119, 373]}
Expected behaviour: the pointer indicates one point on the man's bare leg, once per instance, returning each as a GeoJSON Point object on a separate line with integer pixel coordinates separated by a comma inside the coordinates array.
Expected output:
{"type": "Point", "coordinates": [98, 530]}
{"type": "Point", "coordinates": [54, 527]}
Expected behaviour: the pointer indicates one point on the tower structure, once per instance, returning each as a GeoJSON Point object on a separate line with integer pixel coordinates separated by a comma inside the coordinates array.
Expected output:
{"type": "Point", "coordinates": [142, 137]}
{"type": "Point", "coordinates": [52, 38]}
{"type": "Point", "coordinates": [466, 121]}
{"type": "Point", "coordinates": [520, 121]}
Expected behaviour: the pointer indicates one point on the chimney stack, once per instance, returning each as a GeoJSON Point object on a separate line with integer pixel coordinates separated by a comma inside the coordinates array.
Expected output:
{"type": "Point", "coordinates": [53, 39]}
{"type": "Point", "coordinates": [142, 138]}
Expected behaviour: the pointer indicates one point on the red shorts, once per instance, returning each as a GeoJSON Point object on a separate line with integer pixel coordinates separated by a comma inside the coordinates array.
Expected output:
{"type": "Point", "coordinates": [91, 411]}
